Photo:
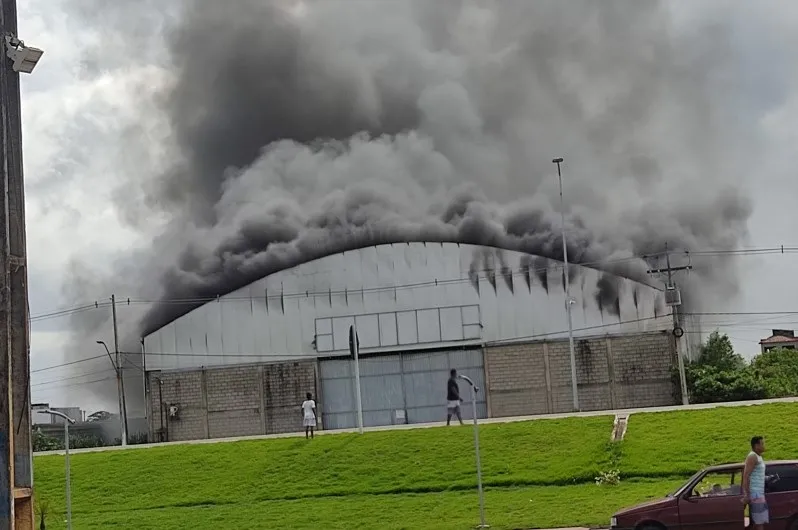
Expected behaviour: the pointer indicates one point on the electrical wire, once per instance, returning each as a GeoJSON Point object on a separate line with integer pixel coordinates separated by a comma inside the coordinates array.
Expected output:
{"type": "Point", "coordinates": [42, 383]}
{"type": "Point", "coordinates": [520, 272]}
{"type": "Point", "coordinates": [79, 383]}
{"type": "Point", "coordinates": [537, 336]}
{"type": "Point", "coordinates": [523, 271]}
{"type": "Point", "coordinates": [70, 363]}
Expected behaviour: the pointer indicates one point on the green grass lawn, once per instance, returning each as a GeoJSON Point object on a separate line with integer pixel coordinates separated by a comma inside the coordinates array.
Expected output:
{"type": "Point", "coordinates": [668, 443]}
{"type": "Point", "coordinates": [530, 507]}
{"type": "Point", "coordinates": [538, 474]}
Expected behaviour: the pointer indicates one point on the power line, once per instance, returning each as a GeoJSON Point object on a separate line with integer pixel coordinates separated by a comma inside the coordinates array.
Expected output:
{"type": "Point", "coordinates": [738, 324]}
{"type": "Point", "coordinates": [70, 363]}
{"type": "Point", "coordinates": [42, 383]}
{"type": "Point", "coordinates": [553, 265]}
{"type": "Point", "coordinates": [80, 383]}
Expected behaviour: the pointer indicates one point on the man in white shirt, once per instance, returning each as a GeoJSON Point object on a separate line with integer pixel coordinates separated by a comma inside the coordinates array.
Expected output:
{"type": "Point", "coordinates": [309, 415]}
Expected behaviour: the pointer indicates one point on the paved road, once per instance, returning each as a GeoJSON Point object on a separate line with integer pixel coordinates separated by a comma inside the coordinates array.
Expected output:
{"type": "Point", "coordinates": [442, 424]}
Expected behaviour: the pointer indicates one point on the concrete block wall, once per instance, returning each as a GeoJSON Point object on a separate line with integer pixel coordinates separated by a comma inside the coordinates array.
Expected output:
{"type": "Point", "coordinates": [612, 372]}
{"type": "Point", "coordinates": [284, 388]}
{"type": "Point", "coordinates": [243, 400]}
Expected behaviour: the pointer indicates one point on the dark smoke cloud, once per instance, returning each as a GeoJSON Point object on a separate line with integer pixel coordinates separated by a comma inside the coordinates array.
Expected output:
{"type": "Point", "coordinates": [365, 122]}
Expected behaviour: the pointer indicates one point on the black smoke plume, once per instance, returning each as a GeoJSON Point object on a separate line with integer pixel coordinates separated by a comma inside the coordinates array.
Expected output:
{"type": "Point", "coordinates": [299, 129]}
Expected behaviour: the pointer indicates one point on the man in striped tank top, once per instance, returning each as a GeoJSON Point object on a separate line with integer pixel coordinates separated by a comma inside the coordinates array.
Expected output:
{"type": "Point", "coordinates": [754, 484]}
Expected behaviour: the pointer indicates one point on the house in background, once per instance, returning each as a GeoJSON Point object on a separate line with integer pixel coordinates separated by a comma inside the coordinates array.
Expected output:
{"type": "Point", "coordinates": [39, 417]}
{"type": "Point", "coordinates": [781, 338]}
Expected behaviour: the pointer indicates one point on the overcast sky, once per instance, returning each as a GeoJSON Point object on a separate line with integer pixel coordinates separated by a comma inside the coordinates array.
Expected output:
{"type": "Point", "coordinates": [73, 114]}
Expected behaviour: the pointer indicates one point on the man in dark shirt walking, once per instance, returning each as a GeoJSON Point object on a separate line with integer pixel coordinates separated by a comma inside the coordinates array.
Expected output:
{"type": "Point", "coordinates": [453, 398]}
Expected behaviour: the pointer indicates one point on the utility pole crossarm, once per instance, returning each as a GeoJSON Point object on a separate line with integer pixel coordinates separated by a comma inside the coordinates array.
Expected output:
{"type": "Point", "coordinates": [670, 270]}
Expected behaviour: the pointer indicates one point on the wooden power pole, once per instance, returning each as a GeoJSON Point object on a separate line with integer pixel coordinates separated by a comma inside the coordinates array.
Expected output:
{"type": "Point", "coordinates": [16, 463]}
{"type": "Point", "coordinates": [670, 287]}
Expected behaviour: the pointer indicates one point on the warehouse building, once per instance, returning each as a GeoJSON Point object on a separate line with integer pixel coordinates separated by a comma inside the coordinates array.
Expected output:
{"type": "Point", "coordinates": [241, 364]}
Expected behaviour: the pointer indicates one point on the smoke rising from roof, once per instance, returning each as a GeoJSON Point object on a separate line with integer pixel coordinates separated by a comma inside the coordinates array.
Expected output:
{"type": "Point", "coordinates": [295, 132]}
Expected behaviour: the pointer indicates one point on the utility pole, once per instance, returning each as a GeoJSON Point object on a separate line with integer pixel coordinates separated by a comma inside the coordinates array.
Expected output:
{"type": "Point", "coordinates": [568, 300]}
{"type": "Point", "coordinates": [673, 298]}
{"type": "Point", "coordinates": [16, 463]}
{"type": "Point", "coordinates": [120, 380]}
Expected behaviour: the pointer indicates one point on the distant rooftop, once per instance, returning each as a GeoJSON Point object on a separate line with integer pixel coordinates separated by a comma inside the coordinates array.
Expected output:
{"type": "Point", "coordinates": [780, 336]}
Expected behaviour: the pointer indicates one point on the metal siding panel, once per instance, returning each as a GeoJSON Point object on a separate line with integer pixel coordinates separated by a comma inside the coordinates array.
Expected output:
{"type": "Point", "coordinates": [521, 314]}
{"type": "Point", "coordinates": [213, 327]}
{"type": "Point", "coordinates": [382, 365]}
{"type": "Point", "coordinates": [324, 335]}
{"type": "Point", "coordinates": [425, 362]}
{"type": "Point", "coordinates": [382, 393]}
{"type": "Point", "coordinates": [470, 315]}
{"type": "Point", "coordinates": [505, 314]}
{"type": "Point", "coordinates": [324, 344]}
{"type": "Point", "coordinates": [368, 331]}
{"type": "Point", "coordinates": [169, 347]}
{"type": "Point", "coordinates": [386, 275]}
{"type": "Point", "coordinates": [451, 324]}
{"type": "Point", "coordinates": [388, 332]}
{"type": "Point", "coordinates": [385, 390]}
{"type": "Point", "coordinates": [335, 369]}
{"type": "Point", "coordinates": [429, 326]}
{"type": "Point", "coordinates": [341, 327]}
{"type": "Point", "coordinates": [370, 279]}
{"type": "Point", "coordinates": [470, 358]}
{"type": "Point", "coordinates": [338, 396]}
{"type": "Point", "coordinates": [426, 389]}
{"type": "Point", "coordinates": [407, 330]}
{"type": "Point", "coordinates": [472, 332]}
{"type": "Point", "coordinates": [324, 326]}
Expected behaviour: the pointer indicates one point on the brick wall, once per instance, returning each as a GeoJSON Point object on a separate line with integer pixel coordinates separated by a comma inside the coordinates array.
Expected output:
{"type": "Point", "coordinates": [612, 372]}
{"type": "Point", "coordinates": [231, 401]}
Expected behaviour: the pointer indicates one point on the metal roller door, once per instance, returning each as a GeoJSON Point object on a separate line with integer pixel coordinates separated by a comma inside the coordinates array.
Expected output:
{"type": "Point", "coordinates": [398, 388]}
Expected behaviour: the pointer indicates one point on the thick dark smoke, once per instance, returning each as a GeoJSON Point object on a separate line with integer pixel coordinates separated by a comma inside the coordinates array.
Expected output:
{"type": "Point", "coordinates": [298, 129]}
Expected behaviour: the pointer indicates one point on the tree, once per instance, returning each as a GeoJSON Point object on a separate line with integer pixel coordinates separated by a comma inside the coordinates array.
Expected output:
{"type": "Point", "coordinates": [718, 352]}
{"type": "Point", "coordinates": [778, 369]}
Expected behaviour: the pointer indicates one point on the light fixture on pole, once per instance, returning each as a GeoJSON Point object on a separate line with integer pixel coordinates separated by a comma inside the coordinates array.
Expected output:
{"type": "Point", "coordinates": [354, 350]}
{"type": "Point", "coordinates": [67, 422]}
{"type": "Point", "coordinates": [25, 58]}
{"type": "Point", "coordinates": [474, 390]}
{"type": "Point", "coordinates": [120, 391]}
{"type": "Point", "coordinates": [568, 300]}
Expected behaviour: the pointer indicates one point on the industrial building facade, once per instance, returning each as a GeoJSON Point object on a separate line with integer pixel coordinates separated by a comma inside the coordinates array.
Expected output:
{"type": "Point", "coordinates": [242, 364]}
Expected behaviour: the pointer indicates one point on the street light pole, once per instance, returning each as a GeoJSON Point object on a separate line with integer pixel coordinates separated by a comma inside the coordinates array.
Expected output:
{"type": "Point", "coordinates": [67, 421]}
{"type": "Point", "coordinates": [568, 300]}
{"type": "Point", "coordinates": [354, 347]}
{"type": "Point", "coordinates": [120, 390]}
{"type": "Point", "coordinates": [120, 372]}
{"type": "Point", "coordinates": [474, 390]}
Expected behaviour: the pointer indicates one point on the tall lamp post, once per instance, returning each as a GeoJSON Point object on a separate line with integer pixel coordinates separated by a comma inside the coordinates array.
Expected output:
{"type": "Point", "coordinates": [474, 390]}
{"type": "Point", "coordinates": [120, 390]}
{"type": "Point", "coordinates": [67, 422]}
{"type": "Point", "coordinates": [354, 350]}
{"type": "Point", "coordinates": [568, 300]}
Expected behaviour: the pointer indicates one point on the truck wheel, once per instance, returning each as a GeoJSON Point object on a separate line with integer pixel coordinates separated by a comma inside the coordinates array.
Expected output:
{"type": "Point", "coordinates": [794, 525]}
{"type": "Point", "coordinates": [652, 526]}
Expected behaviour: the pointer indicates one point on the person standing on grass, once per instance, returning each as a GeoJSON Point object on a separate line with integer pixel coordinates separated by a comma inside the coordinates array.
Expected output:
{"type": "Point", "coordinates": [754, 485]}
{"type": "Point", "coordinates": [453, 398]}
{"type": "Point", "coordinates": [309, 415]}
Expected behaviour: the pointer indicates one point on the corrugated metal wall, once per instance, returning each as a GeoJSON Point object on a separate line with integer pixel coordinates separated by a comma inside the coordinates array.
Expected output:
{"type": "Point", "coordinates": [414, 383]}
{"type": "Point", "coordinates": [418, 295]}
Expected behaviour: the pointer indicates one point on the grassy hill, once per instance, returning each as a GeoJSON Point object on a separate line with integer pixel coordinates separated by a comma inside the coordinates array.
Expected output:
{"type": "Point", "coordinates": [538, 474]}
